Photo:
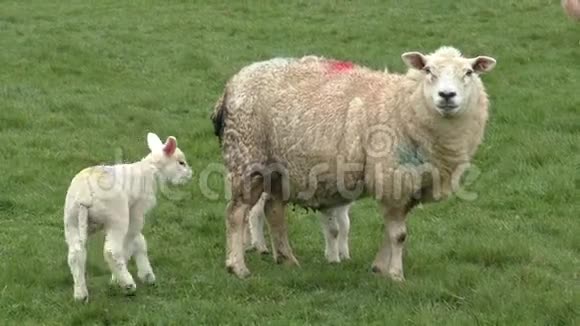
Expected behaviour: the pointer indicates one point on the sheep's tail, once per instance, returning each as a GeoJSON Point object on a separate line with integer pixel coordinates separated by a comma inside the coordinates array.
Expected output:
{"type": "Point", "coordinates": [218, 117]}
{"type": "Point", "coordinates": [83, 223]}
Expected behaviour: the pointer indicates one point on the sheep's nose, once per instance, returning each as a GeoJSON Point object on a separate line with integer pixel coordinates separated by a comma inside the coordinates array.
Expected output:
{"type": "Point", "coordinates": [447, 95]}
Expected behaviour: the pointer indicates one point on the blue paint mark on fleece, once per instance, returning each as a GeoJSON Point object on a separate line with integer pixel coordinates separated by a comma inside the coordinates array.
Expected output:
{"type": "Point", "coordinates": [409, 155]}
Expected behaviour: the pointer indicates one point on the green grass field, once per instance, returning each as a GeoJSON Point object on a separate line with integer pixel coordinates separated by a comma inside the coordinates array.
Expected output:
{"type": "Point", "coordinates": [82, 82]}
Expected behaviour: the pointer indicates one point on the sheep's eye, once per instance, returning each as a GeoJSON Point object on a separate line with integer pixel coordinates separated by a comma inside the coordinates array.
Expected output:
{"type": "Point", "coordinates": [469, 73]}
{"type": "Point", "coordinates": [427, 70]}
{"type": "Point", "coordinates": [182, 163]}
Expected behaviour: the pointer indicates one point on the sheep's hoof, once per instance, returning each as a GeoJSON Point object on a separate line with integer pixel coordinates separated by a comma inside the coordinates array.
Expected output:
{"type": "Point", "coordinates": [287, 260]}
{"type": "Point", "coordinates": [396, 276]}
{"type": "Point", "coordinates": [344, 256]}
{"type": "Point", "coordinates": [129, 289]}
{"type": "Point", "coordinates": [241, 272]}
{"type": "Point", "coordinates": [148, 278]}
{"type": "Point", "coordinates": [378, 270]}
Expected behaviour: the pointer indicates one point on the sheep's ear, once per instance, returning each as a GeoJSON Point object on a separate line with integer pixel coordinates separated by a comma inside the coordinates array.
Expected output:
{"type": "Point", "coordinates": [154, 142]}
{"type": "Point", "coordinates": [414, 60]}
{"type": "Point", "coordinates": [170, 146]}
{"type": "Point", "coordinates": [483, 64]}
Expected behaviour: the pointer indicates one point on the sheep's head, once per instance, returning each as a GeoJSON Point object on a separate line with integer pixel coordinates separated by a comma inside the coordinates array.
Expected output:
{"type": "Point", "coordinates": [169, 160]}
{"type": "Point", "coordinates": [448, 79]}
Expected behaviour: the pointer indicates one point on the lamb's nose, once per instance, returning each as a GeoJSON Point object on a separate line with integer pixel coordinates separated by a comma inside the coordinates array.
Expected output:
{"type": "Point", "coordinates": [447, 95]}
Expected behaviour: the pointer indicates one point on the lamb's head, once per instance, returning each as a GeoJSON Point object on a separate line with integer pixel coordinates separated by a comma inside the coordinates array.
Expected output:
{"type": "Point", "coordinates": [449, 81]}
{"type": "Point", "coordinates": [168, 159]}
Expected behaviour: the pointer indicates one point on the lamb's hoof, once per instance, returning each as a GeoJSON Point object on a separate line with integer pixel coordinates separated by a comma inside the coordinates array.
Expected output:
{"type": "Point", "coordinates": [262, 250]}
{"type": "Point", "coordinates": [259, 248]}
{"type": "Point", "coordinates": [333, 260]}
{"type": "Point", "coordinates": [129, 289]}
{"type": "Point", "coordinates": [148, 278]}
{"type": "Point", "coordinates": [241, 272]}
{"type": "Point", "coordinates": [81, 296]}
{"type": "Point", "coordinates": [83, 300]}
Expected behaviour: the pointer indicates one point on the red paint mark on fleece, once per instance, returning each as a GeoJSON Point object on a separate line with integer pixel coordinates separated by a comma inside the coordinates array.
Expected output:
{"type": "Point", "coordinates": [341, 66]}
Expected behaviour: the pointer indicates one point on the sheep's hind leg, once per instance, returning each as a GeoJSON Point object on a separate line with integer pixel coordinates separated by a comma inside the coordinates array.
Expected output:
{"type": "Point", "coordinates": [275, 214]}
{"type": "Point", "coordinates": [235, 224]}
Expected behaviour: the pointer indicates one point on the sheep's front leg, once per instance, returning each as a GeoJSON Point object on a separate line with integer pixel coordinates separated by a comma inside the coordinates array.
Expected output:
{"type": "Point", "coordinates": [389, 259]}
{"type": "Point", "coordinates": [115, 254]}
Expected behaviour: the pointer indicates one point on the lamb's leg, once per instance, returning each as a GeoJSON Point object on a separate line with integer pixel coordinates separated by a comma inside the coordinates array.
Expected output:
{"type": "Point", "coordinates": [115, 254]}
{"type": "Point", "coordinates": [389, 259]}
{"type": "Point", "coordinates": [144, 269]}
{"type": "Point", "coordinates": [256, 225]}
{"type": "Point", "coordinates": [235, 214]}
{"type": "Point", "coordinates": [128, 250]}
{"type": "Point", "coordinates": [330, 230]}
{"type": "Point", "coordinates": [275, 213]}
{"type": "Point", "coordinates": [343, 220]}
{"type": "Point", "coordinates": [77, 257]}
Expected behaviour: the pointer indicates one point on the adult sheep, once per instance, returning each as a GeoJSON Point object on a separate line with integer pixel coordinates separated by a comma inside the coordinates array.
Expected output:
{"type": "Point", "coordinates": [322, 133]}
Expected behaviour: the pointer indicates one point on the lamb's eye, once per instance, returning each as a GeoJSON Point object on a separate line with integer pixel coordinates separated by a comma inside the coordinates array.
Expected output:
{"type": "Point", "coordinates": [469, 73]}
{"type": "Point", "coordinates": [182, 163]}
{"type": "Point", "coordinates": [427, 70]}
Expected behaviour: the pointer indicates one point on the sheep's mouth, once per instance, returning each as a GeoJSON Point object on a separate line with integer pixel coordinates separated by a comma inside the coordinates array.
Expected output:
{"type": "Point", "coordinates": [448, 110]}
{"type": "Point", "coordinates": [447, 106]}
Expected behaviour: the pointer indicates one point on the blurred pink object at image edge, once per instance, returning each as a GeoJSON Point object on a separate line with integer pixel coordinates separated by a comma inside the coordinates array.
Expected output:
{"type": "Point", "coordinates": [572, 8]}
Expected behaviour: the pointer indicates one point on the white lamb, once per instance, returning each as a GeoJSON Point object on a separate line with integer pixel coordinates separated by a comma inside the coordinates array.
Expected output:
{"type": "Point", "coordinates": [115, 199]}
{"type": "Point", "coordinates": [335, 224]}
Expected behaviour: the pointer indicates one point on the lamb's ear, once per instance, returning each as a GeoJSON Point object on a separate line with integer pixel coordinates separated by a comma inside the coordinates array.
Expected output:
{"type": "Point", "coordinates": [154, 142]}
{"type": "Point", "coordinates": [170, 146]}
{"type": "Point", "coordinates": [482, 64]}
{"type": "Point", "coordinates": [414, 60]}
